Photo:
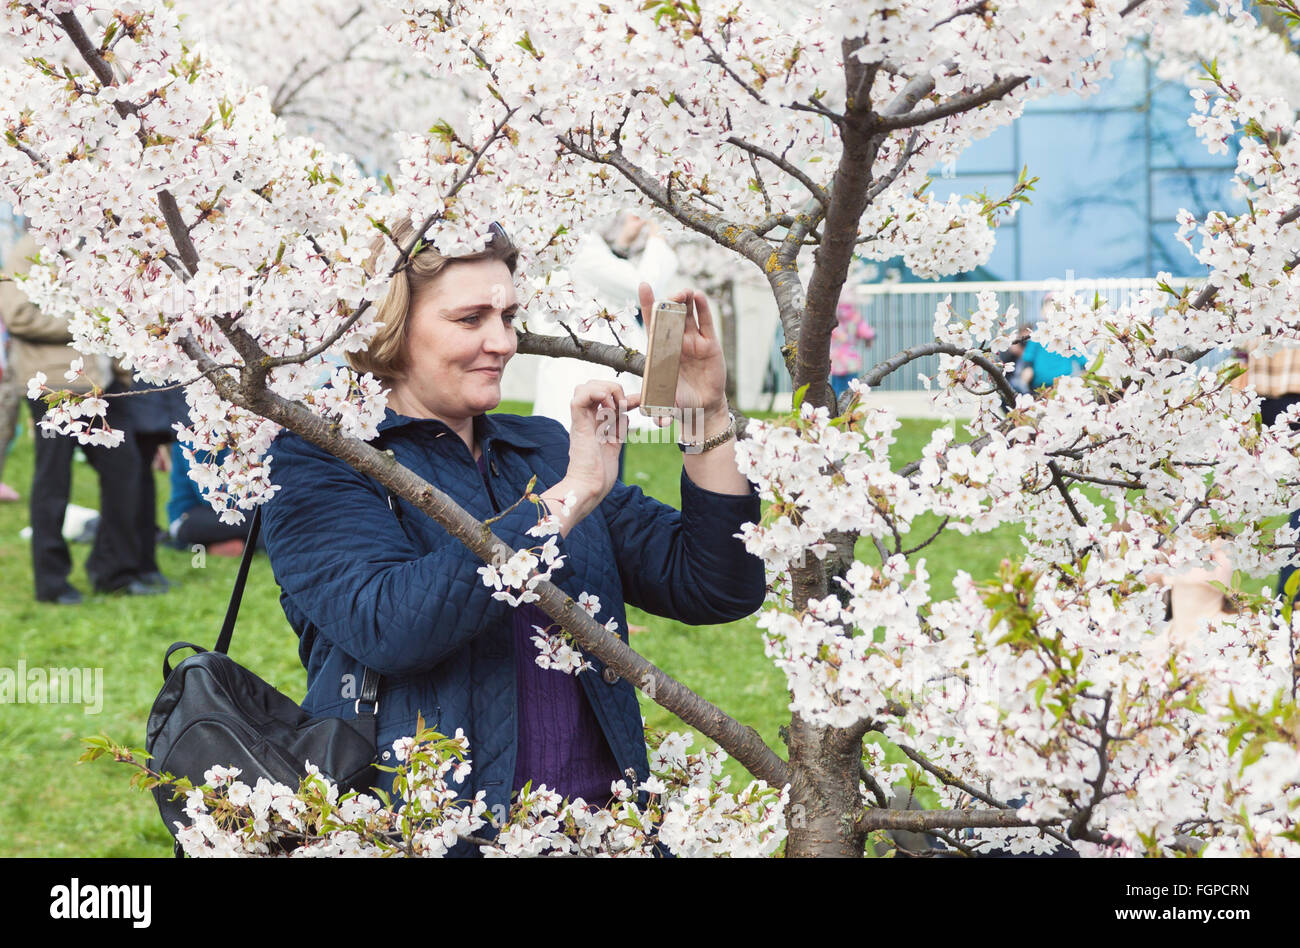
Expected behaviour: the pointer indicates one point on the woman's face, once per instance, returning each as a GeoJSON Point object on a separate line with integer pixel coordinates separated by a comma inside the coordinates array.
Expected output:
{"type": "Point", "coordinates": [460, 336]}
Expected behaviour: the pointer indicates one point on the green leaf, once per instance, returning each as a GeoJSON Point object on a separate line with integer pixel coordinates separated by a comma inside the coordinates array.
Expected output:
{"type": "Point", "coordinates": [1288, 596]}
{"type": "Point", "coordinates": [799, 396]}
{"type": "Point", "coordinates": [526, 44]}
{"type": "Point", "coordinates": [441, 130]}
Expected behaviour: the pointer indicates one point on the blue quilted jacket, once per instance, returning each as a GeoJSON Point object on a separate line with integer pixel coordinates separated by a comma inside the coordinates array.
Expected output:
{"type": "Point", "coordinates": [363, 587]}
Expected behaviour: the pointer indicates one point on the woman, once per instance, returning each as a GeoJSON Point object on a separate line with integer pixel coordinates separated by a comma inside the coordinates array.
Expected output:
{"type": "Point", "coordinates": [364, 585]}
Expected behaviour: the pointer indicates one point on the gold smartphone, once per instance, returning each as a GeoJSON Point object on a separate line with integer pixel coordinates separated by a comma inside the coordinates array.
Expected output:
{"type": "Point", "coordinates": [663, 359]}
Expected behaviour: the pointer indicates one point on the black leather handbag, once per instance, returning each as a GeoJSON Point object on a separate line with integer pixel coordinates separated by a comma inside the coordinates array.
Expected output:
{"type": "Point", "coordinates": [212, 710]}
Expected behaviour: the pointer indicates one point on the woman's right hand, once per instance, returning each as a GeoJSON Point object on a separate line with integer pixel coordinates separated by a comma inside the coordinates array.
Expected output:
{"type": "Point", "coordinates": [599, 413]}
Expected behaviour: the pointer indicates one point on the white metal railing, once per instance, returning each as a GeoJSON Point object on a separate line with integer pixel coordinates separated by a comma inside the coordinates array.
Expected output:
{"type": "Point", "coordinates": [902, 314]}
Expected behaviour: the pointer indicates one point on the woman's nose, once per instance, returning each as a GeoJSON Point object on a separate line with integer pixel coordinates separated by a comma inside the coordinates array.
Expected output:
{"type": "Point", "coordinates": [501, 338]}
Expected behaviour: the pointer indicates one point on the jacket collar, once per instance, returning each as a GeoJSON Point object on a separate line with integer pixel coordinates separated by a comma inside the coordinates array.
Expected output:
{"type": "Point", "coordinates": [510, 429]}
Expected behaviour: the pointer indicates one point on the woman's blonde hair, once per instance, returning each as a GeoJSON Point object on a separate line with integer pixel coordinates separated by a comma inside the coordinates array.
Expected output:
{"type": "Point", "coordinates": [386, 357]}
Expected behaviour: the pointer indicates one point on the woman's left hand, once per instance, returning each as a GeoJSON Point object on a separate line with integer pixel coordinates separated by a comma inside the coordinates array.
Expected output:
{"type": "Point", "coordinates": [702, 373]}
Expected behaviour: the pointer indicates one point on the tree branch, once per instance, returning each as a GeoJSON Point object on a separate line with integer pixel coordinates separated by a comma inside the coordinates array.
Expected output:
{"type": "Point", "coordinates": [780, 273]}
{"type": "Point", "coordinates": [597, 353]}
{"type": "Point", "coordinates": [921, 821]}
{"type": "Point", "coordinates": [816, 107]}
{"type": "Point", "coordinates": [763, 227]}
{"type": "Point", "coordinates": [934, 536]}
{"type": "Point", "coordinates": [1208, 292]}
{"type": "Point", "coordinates": [91, 55]}
{"type": "Point", "coordinates": [788, 167]}
{"type": "Point", "coordinates": [716, 228]}
{"type": "Point", "coordinates": [282, 99]}
{"type": "Point", "coordinates": [848, 202]}
{"type": "Point", "coordinates": [961, 103]}
{"type": "Point", "coordinates": [179, 232]}
{"type": "Point", "coordinates": [899, 113]}
{"type": "Point", "coordinates": [891, 176]}
{"type": "Point", "coordinates": [884, 369]}
{"type": "Point", "coordinates": [882, 799]}
{"type": "Point", "coordinates": [979, 7]}
{"type": "Point", "coordinates": [952, 780]}
{"type": "Point", "coordinates": [1079, 828]}
{"type": "Point", "coordinates": [716, 59]}
{"type": "Point", "coordinates": [1104, 481]}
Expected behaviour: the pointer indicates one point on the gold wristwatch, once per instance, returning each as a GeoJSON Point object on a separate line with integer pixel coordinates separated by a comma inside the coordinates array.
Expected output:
{"type": "Point", "coordinates": [708, 444]}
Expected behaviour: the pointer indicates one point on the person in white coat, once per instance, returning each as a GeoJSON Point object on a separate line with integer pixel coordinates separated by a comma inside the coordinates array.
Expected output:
{"type": "Point", "coordinates": [610, 266]}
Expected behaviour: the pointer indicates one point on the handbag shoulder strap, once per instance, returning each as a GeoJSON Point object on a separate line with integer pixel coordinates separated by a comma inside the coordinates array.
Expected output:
{"type": "Point", "coordinates": [237, 594]}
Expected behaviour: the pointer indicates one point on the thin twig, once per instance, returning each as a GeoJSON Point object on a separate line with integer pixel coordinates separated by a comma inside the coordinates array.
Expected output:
{"type": "Point", "coordinates": [962, 103]}
{"type": "Point", "coordinates": [934, 536]}
{"type": "Point", "coordinates": [788, 167]}
{"type": "Point", "coordinates": [891, 176]}
{"type": "Point", "coordinates": [1104, 481]}
{"type": "Point", "coordinates": [816, 107]}
{"type": "Point", "coordinates": [979, 7]}
{"type": "Point", "coordinates": [882, 799]}
{"type": "Point", "coordinates": [952, 780]}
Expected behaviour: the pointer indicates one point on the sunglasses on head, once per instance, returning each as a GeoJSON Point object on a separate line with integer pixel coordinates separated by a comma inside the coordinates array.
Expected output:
{"type": "Point", "coordinates": [497, 231]}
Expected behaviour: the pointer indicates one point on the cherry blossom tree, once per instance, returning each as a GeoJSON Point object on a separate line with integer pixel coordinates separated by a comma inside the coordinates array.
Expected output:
{"type": "Point", "coordinates": [192, 233]}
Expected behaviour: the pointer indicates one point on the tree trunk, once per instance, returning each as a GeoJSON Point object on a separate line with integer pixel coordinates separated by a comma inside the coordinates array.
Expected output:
{"type": "Point", "coordinates": [730, 354]}
{"type": "Point", "coordinates": [824, 793]}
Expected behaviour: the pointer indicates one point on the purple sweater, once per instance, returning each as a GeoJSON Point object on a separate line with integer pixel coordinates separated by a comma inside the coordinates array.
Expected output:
{"type": "Point", "coordinates": [560, 743]}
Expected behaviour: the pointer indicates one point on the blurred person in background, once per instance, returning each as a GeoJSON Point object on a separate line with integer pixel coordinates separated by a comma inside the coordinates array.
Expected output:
{"type": "Point", "coordinates": [1276, 379]}
{"type": "Point", "coordinates": [11, 396]}
{"type": "Point", "coordinates": [191, 519]}
{"type": "Point", "coordinates": [151, 411]}
{"type": "Point", "coordinates": [1015, 355]}
{"type": "Point", "coordinates": [1040, 367]}
{"type": "Point", "coordinates": [851, 332]}
{"type": "Point", "coordinates": [42, 343]}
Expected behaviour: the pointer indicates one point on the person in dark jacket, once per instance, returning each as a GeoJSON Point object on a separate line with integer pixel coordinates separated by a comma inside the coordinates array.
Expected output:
{"type": "Point", "coordinates": [151, 412]}
{"type": "Point", "coordinates": [42, 343]}
{"type": "Point", "coordinates": [192, 523]}
{"type": "Point", "coordinates": [369, 581]}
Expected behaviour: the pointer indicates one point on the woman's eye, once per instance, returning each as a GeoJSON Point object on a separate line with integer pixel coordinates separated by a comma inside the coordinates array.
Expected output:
{"type": "Point", "coordinates": [508, 318]}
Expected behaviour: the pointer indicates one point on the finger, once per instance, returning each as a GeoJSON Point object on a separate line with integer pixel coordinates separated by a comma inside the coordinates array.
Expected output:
{"type": "Point", "coordinates": [598, 390]}
{"type": "Point", "coordinates": [689, 299]}
{"type": "Point", "coordinates": [600, 407]}
{"type": "Point", "coordinates": [634, 401]}
{"type": "Point", "coordinates": [683, 297]}
{"type": "Point", "coordinates": [646, 297]}
{"type": "Point", "coordinates": [594, 403]}
{"type": "Point", "coordinates": [696, 321]}
{"type": "Point", "coordinates": [703, 316]}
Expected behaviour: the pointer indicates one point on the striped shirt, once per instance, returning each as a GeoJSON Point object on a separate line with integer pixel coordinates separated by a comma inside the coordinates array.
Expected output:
{"type": "Point", "coordinates": [1275, 375]}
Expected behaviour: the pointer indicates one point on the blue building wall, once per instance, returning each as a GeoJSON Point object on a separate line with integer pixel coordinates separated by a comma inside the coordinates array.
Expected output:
{"type": "Point", "coordinates": [1114, 168]}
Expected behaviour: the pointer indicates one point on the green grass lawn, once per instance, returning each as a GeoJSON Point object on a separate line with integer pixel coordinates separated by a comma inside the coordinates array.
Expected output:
{"type": "Point", "coordinates": [52, 806]}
